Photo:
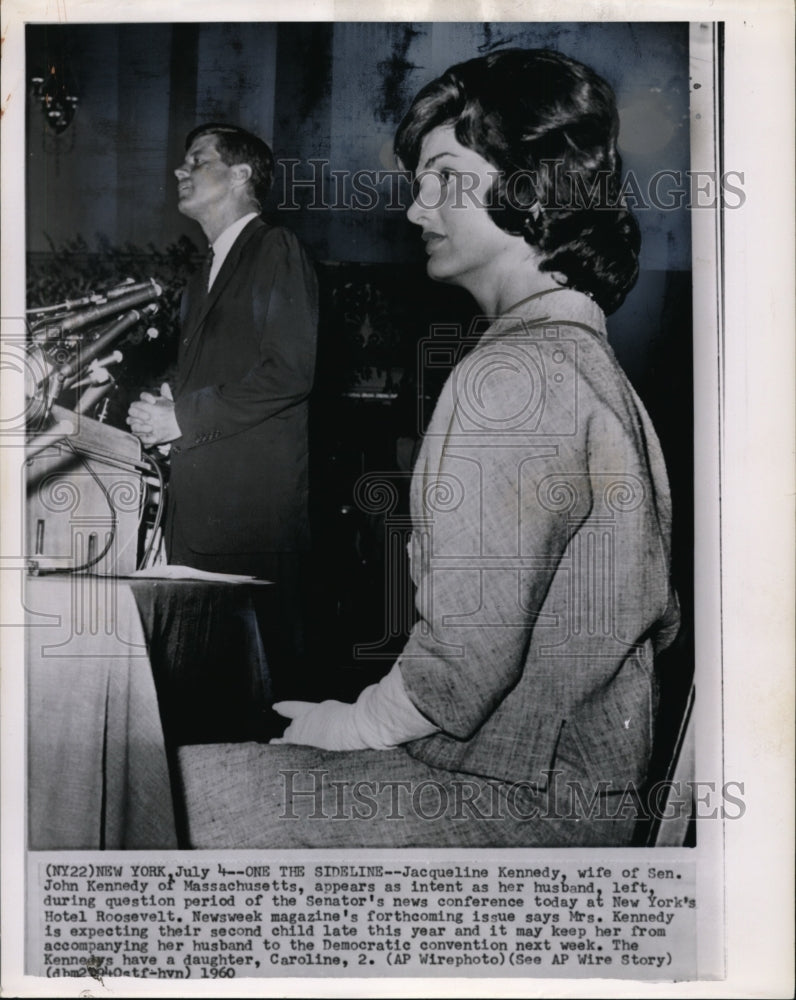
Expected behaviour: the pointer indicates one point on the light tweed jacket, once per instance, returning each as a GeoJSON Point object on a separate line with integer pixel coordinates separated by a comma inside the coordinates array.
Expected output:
{"type": "Point", "coordinates": [540, 551]}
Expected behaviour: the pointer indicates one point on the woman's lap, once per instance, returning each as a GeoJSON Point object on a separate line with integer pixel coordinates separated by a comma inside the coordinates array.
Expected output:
{"type": "Point", "coordinates": [253, 795]}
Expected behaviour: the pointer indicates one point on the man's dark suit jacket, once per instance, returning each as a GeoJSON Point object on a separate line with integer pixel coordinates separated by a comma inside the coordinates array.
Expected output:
{"type": "Point", "coordinates": [245, 369]}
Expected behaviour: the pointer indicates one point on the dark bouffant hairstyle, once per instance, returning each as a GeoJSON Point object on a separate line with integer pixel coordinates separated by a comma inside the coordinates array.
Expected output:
{"type": "Point", "coordinates": [549, 124]}
{"type": "Point", "coordinates": [236, 145]}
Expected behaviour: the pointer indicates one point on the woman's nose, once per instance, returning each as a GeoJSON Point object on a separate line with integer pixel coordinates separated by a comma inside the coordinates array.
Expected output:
{"type": "Point", "coordinates": [428, 195]}
{"type": "Point", "coordinates": [413, 213]}
{"type": "Point", "coordinates": [181, 172]}
{"type": "Point", "coordinates": [417, 211]}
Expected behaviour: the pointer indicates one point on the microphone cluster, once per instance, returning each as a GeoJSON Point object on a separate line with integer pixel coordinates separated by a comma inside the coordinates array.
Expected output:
{"type": "Point", "coordinates": [67, 341]}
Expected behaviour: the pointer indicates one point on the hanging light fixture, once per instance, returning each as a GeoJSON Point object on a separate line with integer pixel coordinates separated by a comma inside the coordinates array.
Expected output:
{"type": "Point", "coordinates": [58, 105]}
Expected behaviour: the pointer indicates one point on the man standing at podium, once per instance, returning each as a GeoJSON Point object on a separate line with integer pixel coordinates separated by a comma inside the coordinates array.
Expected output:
{"type": "Point", "coordinates": [237, 423]}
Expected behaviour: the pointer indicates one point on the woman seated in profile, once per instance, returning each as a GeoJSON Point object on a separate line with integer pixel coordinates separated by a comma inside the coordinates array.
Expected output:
{"type": "Point", "coordinates": [520, 711]}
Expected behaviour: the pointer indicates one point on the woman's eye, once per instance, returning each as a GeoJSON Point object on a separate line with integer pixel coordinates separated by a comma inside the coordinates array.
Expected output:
{"type": "Point", "coordinates": [430, 187]}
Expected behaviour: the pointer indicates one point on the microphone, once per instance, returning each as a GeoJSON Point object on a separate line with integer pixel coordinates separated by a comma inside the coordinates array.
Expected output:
{"type": "Point", "coordinates": [97, 372]}
{"type": "Point", "coordinates": [111, 359]}
{"type": "Point", "coordinates": [137, 295]}
{"type": "Point", "coordinates": [92, 350]}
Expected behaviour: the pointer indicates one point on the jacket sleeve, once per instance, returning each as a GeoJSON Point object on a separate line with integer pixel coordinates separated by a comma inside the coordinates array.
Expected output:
{"type": "Point", "coordinates": [493, 528]}
{"type": "Point", "coordinates": [285, 310]}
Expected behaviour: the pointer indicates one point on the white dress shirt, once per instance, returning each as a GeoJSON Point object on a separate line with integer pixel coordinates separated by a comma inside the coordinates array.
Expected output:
{"type": "Point", "coordinates": [223, 244]}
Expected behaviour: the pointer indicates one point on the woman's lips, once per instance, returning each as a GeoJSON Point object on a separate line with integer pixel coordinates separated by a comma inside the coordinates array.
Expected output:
{"type": "Point", "coordinates": [432, 240]}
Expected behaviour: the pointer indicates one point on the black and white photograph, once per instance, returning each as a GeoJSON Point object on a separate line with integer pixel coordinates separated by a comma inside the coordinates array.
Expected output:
{"type": "Point", "coordinates": [378, 435]}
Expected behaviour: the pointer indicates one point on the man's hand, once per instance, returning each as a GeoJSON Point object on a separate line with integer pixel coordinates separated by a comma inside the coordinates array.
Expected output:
{"type": "Point", "coordinates": [152, 418]}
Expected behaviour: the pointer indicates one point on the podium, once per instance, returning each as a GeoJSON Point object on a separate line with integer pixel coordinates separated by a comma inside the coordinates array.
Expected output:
{"type": "Point", "coordinates": [84, 497]}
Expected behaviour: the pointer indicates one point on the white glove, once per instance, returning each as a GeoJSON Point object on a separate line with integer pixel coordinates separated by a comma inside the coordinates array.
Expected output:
{"type": "Point", "coordinates": [329, 725]}
{"type": "Point", "coordinates": [380, 719]}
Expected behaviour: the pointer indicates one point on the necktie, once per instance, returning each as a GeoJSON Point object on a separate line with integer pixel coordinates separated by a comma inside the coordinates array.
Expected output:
{"type": "Point", "coordinates": [199, 299]}
{"type": "Point", "coordinates": [207, 264]}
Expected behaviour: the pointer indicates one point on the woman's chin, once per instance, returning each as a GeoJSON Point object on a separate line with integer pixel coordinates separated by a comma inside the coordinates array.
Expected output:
{"type": "Point", "coordinates": [438, 272]}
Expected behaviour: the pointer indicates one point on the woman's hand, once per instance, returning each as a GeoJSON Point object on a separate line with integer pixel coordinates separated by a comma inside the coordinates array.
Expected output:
{"type": "Point", "coordinates": [381, 718]}
{"type": "Point", "coordinates": [329, 725]}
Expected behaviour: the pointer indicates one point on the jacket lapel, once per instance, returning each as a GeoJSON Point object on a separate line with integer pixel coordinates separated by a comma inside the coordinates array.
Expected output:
{"type": "Point", "coordinates": [201, 303]}
{"type": "Point", "coordinates": [193, 302]}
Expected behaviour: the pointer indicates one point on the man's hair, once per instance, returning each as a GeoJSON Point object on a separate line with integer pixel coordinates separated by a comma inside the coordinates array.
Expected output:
{"type": "Point", "coordinates": [236, 145]}
{"type": "Point", "coordinates": [549, 125]}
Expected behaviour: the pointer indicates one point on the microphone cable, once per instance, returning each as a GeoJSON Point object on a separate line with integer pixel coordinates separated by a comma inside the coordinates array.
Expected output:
{"type": "Point", "coordinates": [158, 513]}
{"type": "Point", "coordinates": [112, 535]}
